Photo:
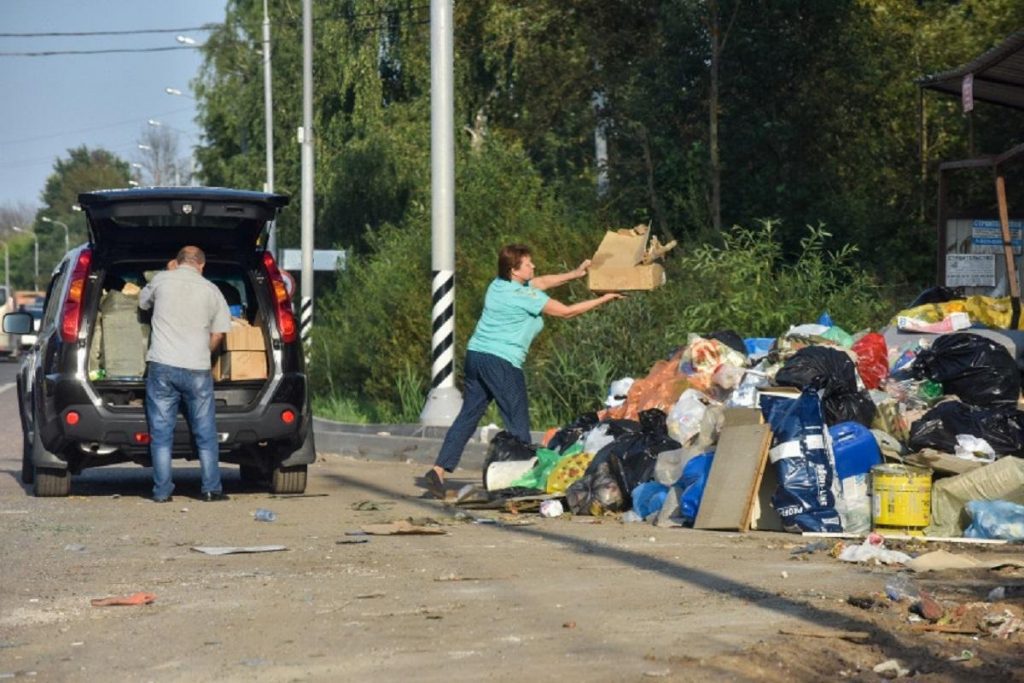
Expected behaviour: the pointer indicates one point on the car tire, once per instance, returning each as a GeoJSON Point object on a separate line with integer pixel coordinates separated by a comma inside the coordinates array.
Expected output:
{"type": "Point", "coordinates": [48, 482]}
{"type": "Point", "coordinates": [288, 479]}
{"type": "Point", "coordinates": [51, 483]}
{"type": "Point", "coordinates": [28, 470]}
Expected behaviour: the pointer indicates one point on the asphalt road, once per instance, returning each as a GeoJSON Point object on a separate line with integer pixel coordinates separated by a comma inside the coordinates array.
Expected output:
{"type": "Point", "coordinates": [489, 596]}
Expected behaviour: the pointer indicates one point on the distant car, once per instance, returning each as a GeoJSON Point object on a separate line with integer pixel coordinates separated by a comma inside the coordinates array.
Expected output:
{"type": "Point", "coordinates": [81, 389]}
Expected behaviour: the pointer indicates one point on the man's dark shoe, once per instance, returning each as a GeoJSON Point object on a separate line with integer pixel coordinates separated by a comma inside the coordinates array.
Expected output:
{"type": "Point", "coordinates": [434, 483]}
{"type": "Point", "coordinates": [168, 499]}
{"type": "Point", "coordinates": [214, 496]}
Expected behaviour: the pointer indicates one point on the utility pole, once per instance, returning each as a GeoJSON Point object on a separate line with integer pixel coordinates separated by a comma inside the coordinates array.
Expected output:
{"type": "Point", "coordinates": [443, 399]}
{"type": "Point", "coordinates": [306, 139]}
{"type": "Point", "coordinates": [268, 116]}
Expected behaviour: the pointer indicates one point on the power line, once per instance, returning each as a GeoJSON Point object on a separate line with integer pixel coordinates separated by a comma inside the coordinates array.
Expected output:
{"type": "Point", "coordinates": [90, 130]}
{"type": "Point", "coordinates": [63, 34]}
{"type": "Point", "coordinates": [51, 53]}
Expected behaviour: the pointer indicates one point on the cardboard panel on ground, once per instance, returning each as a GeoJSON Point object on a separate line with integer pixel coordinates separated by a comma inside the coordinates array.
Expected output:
{"type": "Point", "coordinates": [736, 471]}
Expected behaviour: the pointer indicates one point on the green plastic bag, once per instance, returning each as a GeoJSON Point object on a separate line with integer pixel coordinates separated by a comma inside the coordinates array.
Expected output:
{"type": "Point", "coordinates": [839, 336]}
{"type": "Point", "coordinates": [537, 478]}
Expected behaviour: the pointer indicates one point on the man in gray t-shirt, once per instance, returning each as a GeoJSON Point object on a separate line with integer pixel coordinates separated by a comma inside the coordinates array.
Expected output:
{"type": "Point", "coordinates": [190, 317]}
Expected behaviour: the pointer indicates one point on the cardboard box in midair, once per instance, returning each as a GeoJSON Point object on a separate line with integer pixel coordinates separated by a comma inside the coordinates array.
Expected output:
{"type": "Point", "coordinates": [624, 261]}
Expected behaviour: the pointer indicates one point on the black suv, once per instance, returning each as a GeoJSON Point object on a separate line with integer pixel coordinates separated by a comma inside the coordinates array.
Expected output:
{"type": "Point", "coordinates": [81, 389]}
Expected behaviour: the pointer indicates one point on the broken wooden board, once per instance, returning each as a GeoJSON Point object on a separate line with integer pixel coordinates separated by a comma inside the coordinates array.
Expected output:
{"type": "Point", "coordinates": [735, 477]}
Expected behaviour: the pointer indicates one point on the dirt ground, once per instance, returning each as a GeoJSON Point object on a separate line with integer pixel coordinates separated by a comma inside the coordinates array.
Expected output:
{"type": "Point", "coordinates": [497, 596]}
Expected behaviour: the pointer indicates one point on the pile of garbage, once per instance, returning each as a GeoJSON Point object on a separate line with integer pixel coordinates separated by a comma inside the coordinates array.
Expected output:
{"type": "Point", "coordinates": [915, 428]}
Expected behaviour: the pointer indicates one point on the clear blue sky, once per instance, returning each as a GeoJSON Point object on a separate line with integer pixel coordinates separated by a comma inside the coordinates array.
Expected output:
{"type": "Point", "coordinates": [55, 103]}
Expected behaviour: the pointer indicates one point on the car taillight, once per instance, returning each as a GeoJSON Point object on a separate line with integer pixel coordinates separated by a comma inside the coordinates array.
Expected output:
{"type": "Point", "coordinates": [287, 416]}
{"type": "Point", "coordinates": [282, 301]}
{"type": "Point", "coordinates": [71, 319]}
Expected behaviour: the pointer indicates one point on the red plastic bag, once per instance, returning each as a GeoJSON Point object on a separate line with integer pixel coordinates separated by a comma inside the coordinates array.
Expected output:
{"type": "Point", "coordinates": [872, 359]}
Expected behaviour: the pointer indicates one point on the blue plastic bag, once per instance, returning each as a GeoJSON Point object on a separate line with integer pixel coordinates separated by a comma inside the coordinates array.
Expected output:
{"type": "Point", "coordinates": [804, 499]}
{"type": "Point", "coordinates": [995, 519]}
{"type": "Point", "coordinates": [758, 347]}
{"type": "Point", "coordinates": [825, 319]}
{"type": "Point", "coordinates": [648, 498]}
{"type": "Point", "coordinates": [695, 475]}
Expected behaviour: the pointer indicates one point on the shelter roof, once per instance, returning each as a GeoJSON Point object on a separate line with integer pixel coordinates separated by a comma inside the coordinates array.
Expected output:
{"type": "Point", "coordinates": [998, 75]}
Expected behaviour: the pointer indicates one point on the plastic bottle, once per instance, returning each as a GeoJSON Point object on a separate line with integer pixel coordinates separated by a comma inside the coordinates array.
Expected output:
{"type": "Point", "coordinates": [265, 515]}
{"type": "Point", "coordinates": [900, 588]}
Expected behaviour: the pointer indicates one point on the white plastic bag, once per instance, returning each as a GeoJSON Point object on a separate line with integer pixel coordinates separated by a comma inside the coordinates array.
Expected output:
{"type": "Point", "coordinates": [684, 419]}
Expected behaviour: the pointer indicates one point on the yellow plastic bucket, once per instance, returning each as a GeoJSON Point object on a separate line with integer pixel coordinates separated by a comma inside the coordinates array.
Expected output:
{"type": "Point", "coordinates": [901, 498]}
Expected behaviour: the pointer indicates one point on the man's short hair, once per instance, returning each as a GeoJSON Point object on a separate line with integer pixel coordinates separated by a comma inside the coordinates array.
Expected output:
{"type": "Point", "coordinates": [190, 254]}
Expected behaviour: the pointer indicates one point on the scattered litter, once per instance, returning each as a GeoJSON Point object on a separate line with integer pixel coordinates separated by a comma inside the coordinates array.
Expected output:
{"type": "Point", "coordinates": [569, 624]}
{"type": "Point", "coordinates": [784, 575]}
{"type": "Point", "coordinates": [551, 508]}
{"type": "Point", "coordinates": [892, 668]}
{"type": "Point", "coordinates": [660, 673]}
{"type": "Point", "coordinates": [938, 560]}
{"type": "Point", "coordinates": [825, 633]}
{"type": "Point", "coordinates": [370, 596]}
{"type": "Point", "coordinates": [75, 548]}
{"type": "Point", "coordinates": [299, 495]}
{"type": "Point", "coordinates": [235, 549]}
{"type": "Point", "coordinates": [811, 548]}
{"type": "Point", "coordinates": [1005, 623]}
{"type": "Point", "coordinates": [929, 608]}
{"type": "Point", "coordinates": [351, 541]}
{"type": "Point", "coordinates": [873, 550]}
{"type": "Point", "coordinates": [369, 505]}
{"type": "Point", "coordinates": [962, 657]}
{"type": "Point", "coordinates": [139, 598]}
{"type": "Point", "coordinates": [1003, 592]}
{"type": "Point", "coordinates": [402, 528]}
{"type": "Point", "coordinates": [265, 515]}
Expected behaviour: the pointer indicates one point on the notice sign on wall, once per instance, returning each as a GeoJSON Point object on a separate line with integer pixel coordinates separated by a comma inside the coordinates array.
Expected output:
{"type": "Point", "coordinates": [987, 237]}
{"type": "Point", "coordinates": [970, 270]}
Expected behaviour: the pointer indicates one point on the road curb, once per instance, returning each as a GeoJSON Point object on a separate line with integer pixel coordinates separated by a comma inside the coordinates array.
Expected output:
{"type": "Point", "coordinates": [394, 442]}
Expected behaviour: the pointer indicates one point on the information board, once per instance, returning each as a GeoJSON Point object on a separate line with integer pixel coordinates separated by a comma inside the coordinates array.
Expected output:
{"type": "Point", "coordinates": [970, 270]}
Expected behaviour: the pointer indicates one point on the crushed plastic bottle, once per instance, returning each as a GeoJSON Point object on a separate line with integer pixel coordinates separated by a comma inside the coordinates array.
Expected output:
{"type": "Point", "coordinates": [265, 515]}
{"type": "Point", "coordinates": [900, 588]}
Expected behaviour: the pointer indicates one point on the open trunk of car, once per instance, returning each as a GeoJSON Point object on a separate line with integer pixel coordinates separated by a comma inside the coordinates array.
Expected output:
{"type": "Point", "coordinates": [118, 337]}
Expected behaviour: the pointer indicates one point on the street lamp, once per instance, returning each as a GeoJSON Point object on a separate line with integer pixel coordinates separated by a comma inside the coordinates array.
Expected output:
{"type": "Point", "coordinates": [35, 238]}
{"type": "Point", "coordinates": [67, 242]}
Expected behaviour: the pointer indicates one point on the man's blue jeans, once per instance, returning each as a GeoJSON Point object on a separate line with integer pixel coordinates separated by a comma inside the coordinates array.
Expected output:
{"type": "Point", "coordinates": [166, 387]}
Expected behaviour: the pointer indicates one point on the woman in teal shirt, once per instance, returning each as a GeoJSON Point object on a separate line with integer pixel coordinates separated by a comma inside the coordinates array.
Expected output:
{"type": "Point", "coordinates": [514, 307]}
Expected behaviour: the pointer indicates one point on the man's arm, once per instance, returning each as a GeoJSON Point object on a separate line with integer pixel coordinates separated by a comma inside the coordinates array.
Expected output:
{"type": "Point", "coordinates": [549, 281]}
{"type": "Point", "coordinates": [146, 297]}
{"type": "Point", "coordinates": [215, 340]}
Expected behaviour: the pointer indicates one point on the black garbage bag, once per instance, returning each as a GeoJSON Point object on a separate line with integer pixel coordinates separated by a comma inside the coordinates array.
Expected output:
{"type": "Point", "coordinates": [504, 447]}
{"type": "Point", "coordinates": [573, 432]}
{"type": "Point", "coordinates": [804, 499]}
{"type": "Point", "coordinates": [632, 456]}
{"type": "Point", "coordinates": [596, 492]}
{"type": "Point", "coordinates": [833, 373]}
{"type": "Point", "coordinates": [730, 338]}
{"type": "Point", "coordinates": [975, 368]}
{"type": "Point", "coordinates": [937, 295]}
{"type": "Point", "coordinates": [1001, 426]}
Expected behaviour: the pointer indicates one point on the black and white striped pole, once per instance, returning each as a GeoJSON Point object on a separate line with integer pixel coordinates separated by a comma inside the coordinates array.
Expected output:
{"type": "Point", "coordinates": [443, 400]}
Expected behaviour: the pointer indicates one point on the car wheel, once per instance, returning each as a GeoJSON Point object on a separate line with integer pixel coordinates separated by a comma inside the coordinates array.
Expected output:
{"type": "Point", "coordinates": [288, 479]}
{"type": "Point", "coordinates": [48, 482]}
{"type": "Point", "coordinates": [51, 483]}
{"type": "Point", "coordinates": [28, 470]}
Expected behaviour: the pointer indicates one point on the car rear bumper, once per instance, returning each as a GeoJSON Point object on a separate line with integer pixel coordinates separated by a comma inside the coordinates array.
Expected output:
{"type": "Point", "coordinates": [100, 429]}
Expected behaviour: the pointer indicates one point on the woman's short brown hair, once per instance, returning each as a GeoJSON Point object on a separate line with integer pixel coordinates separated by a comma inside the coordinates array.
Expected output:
{"type": "Point", "coordinates": [509, 258]}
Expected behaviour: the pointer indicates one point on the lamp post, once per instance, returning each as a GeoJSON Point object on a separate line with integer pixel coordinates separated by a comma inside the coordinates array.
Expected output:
{"type": "Point", "coordinates": [7, 273]}
{"type": "Point", "coordinates": [35, 239]}
{"type": "Point", "coordinates": [67, 240]}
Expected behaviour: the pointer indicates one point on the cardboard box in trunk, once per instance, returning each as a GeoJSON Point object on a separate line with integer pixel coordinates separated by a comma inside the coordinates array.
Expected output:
{"type": "Point", "coordinates": [624, 262]}
{"type": "Point", "coordinates": [239, 365]}
{"type": "Point", "coordinates": [243, 355]}
{"type": "Point", "coordinates": [244, 337]}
